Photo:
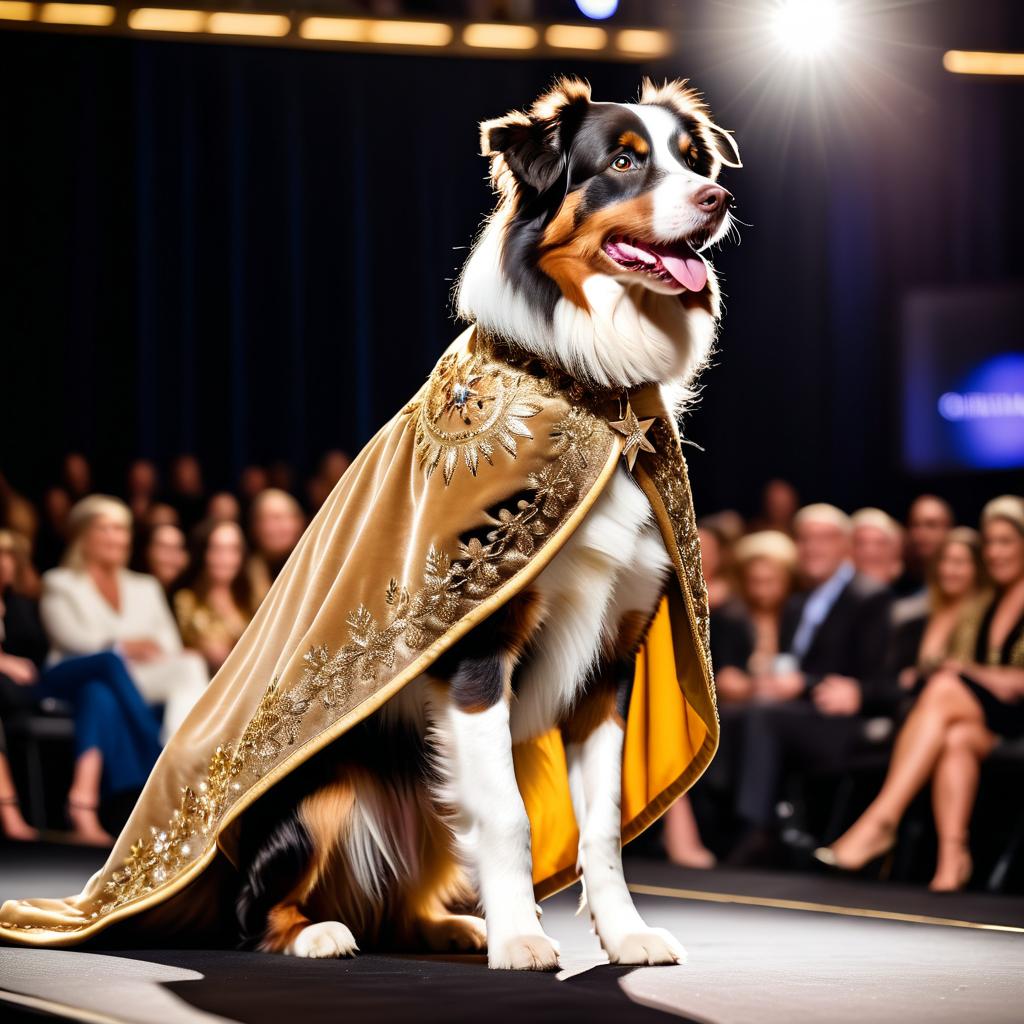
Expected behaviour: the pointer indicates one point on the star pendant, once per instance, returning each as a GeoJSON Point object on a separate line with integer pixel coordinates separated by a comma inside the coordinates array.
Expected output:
{"type": "Point", "coordinates": [635, 432]}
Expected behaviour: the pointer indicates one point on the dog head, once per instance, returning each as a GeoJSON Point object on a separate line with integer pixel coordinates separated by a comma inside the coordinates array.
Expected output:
{"type": "Point", "coordinates": [593, 255]}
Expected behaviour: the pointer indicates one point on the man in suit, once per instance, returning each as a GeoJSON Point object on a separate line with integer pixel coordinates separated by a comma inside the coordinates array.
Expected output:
{"type": "Point", "coordinates": [809, 710]}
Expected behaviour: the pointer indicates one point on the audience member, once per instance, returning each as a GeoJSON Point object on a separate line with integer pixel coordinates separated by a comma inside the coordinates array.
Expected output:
{"type": "Point", "coordinates": [252, 482]}
{"type": "Point", "coordinates": [185, 493]}
{"type": "Point", "coordinates": [929, 628]}
{"type": "Point", "coordinates": [215, 602]}
{"type": "Point", "coordinates": [141, 488]}
{"type": "Point", "coordinates": [280, 476]}
{"type": "Point", "coordinates": [163, 554]}
{"type": "Point", "coordinates": [277, 523]}
{"type": "Point", "coordinates": [53, 528]}
{"type": "Point", "coordinates": [716, 561]}
{"type": "Point", "coordinates": [877, 545]}
{"type": "Point", "coordinates": [116, 735]}
{"type": "Point", "coordinates": [963, 710]}
{"type": "Point", "coordinates": [76, 475]}
{"type": "Point", "coordinates": [162, 514]}
{"type": "Point", "coordinates": [93, 603]}
{"type": "Point", "coordinates": [17, 512]}
{"type": "Point", "coordinates": [745, 631]}
{"type": "Point", "coordinates": [806, 710]}
{"type": "Point", "coordinates": [224, 506]}
{"type": "Point", "coordinates": [329, 472]}
{"type": "Point", "coordinates": [779, 504]}
{"type": "Point", "coordinates": [929, 519]}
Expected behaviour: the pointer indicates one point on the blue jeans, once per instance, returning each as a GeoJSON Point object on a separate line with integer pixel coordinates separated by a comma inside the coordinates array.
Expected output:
{"type": "Point", "coordinates": [110, 715]}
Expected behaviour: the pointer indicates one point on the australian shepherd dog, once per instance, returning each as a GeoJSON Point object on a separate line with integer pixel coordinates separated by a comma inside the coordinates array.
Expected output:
{"type": "Point", "coordinates": [410, 831]}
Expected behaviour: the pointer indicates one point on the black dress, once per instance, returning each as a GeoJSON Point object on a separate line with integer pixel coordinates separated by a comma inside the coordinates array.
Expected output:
{"type": "Point", "coordinates": [1003, 718]}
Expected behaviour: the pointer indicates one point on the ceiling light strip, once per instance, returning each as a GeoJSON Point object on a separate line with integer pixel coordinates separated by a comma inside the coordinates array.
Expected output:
{"type": "Point", "coordinates": [465, 39]}
{"type": "Point", "coordinates": [983, 62]}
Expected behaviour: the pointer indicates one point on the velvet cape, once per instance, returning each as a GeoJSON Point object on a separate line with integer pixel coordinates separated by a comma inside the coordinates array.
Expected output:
{"type": "Point", "coordinates": [455, 506]}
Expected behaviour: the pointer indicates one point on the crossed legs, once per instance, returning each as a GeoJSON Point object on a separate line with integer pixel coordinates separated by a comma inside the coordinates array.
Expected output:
{"type": "Point", "coordinates": [945, 739]}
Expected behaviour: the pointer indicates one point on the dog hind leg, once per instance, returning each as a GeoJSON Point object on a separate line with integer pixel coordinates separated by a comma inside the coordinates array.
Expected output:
{"type": "Point", "coordinates": [284, 872]}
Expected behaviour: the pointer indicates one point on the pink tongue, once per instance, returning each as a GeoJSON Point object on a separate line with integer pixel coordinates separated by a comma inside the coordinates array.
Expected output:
{"type": "Point", "coordinates": [690, 271]}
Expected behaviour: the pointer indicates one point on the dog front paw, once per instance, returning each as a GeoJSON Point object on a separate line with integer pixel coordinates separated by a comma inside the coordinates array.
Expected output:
{"type": "Point", "coordinates": [326, 939]}
{"type": "Point", "coordinates": [650, 946]}
{"type": "Point", "coordinates": [523, 953]}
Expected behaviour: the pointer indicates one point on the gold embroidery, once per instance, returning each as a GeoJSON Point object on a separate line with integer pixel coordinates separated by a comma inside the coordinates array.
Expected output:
{"type": "Point", "coordinates": [671, 479]}
{"type": "Point", "coordinates": [469, 407]}
{"type": "Point", "coordinates": [339, 681]}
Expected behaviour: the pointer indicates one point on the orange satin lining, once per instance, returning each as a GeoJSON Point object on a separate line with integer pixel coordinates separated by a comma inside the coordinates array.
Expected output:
{"type": "Point", "coordinates": [665, 740]}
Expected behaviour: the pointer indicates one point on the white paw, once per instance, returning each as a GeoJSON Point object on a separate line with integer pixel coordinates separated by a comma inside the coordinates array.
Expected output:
{"type": "Point", "coordinates": [651, 946]}
{"type": "Point", "coordinates": [326, 939]}
{"type": "Point", "coordinates": [523, 953]}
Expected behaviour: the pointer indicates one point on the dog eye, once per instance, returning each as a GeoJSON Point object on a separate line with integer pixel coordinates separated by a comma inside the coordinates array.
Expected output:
{"type": "Point", "coordinates": [623, 162]}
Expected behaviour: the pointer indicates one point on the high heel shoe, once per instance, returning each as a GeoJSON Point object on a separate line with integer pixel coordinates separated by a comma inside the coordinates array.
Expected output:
{"type": "Point", "coordinates": [880, 864]}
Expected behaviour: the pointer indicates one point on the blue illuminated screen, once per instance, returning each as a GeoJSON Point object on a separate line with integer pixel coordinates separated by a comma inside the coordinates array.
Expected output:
{"type": "Point", "coordinates": [963, 379]}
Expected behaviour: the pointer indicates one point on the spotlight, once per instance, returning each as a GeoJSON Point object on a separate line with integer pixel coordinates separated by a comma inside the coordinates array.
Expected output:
{"type": "Point", "coordinates": [598, 9]}
{"type": "Point", "coordinates": [807, 27]}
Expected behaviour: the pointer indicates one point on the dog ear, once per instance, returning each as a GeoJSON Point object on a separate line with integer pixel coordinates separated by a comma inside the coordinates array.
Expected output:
{"type": "Point", "coordinates": [689, 103]}
{"type": "Point", "coordinates": [533, 145]}
{"type": "Point", "coordinates": [725, 145]}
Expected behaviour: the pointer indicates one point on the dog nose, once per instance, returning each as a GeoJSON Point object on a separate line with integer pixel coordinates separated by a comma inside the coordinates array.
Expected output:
{"type": "Point", "coordinates": [712, 198]}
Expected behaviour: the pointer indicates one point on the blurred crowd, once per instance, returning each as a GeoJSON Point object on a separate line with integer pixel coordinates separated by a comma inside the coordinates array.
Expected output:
{"type": "Point", "coordinates": [832, 634]}
{"type": "Point", "coordinates": [836, 634]}
{"type": "Point", "coordinates": [117, 611]}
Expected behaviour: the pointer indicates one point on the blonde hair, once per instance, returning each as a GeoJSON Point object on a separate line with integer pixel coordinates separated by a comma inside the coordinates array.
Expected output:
{"type": "Point", "coordinates": [83, 514]}
{"type": "Point", "coordinates": [1006, 506]}
{"type": "Point", "coordinates": [772, 544]}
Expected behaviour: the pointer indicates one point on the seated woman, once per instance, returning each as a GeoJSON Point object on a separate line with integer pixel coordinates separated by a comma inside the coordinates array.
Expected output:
{"type": "Point", "coordinates": [116, 735]}
{"type": "Point", "coordinates": [215, 603]}
{"type": "Point", "coordinates": [93, 603]}
{"type": "Point", "coordinates": [964, 708]}
{"type": "Point", "coordinates": [747, 642]}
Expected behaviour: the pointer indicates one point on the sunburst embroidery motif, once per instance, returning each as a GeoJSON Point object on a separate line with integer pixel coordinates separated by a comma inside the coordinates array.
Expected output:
{"type": "Point", "coordinates": [468, 411]}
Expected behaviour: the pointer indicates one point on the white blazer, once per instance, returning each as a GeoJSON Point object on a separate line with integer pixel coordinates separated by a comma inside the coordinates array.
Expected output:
{"type": "Point", "coordinates": [79, 620]}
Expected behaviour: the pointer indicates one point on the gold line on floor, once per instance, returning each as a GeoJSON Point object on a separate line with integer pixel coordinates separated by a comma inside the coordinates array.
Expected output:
{"type": "Point", "coordinates": [819, 908]}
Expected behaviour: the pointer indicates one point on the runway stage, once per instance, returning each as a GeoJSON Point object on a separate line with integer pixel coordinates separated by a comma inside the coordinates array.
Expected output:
{"type": "Point", "coordinates": [765, 948]}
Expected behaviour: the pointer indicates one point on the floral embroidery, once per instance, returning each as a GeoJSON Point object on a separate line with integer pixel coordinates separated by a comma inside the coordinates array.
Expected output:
{"type": "Point", "coordinates": [470, 406]}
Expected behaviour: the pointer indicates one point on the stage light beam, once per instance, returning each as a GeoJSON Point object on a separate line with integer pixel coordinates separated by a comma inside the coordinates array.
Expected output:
{"type": "Point", "coordinates": [807, 28]}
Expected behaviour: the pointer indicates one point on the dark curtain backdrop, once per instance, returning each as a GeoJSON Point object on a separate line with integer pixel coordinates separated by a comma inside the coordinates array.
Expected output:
{"type": "Point", "coordinates": [247, 253]}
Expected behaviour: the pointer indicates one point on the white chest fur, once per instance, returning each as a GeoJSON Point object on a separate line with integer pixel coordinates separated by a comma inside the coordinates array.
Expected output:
{"type": "Point", "coordinates": [614, 563]}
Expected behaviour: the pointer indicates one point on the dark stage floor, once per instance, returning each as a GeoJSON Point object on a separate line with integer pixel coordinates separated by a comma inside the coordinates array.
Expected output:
{"type": "Point", "coordinates": [763, 947]}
